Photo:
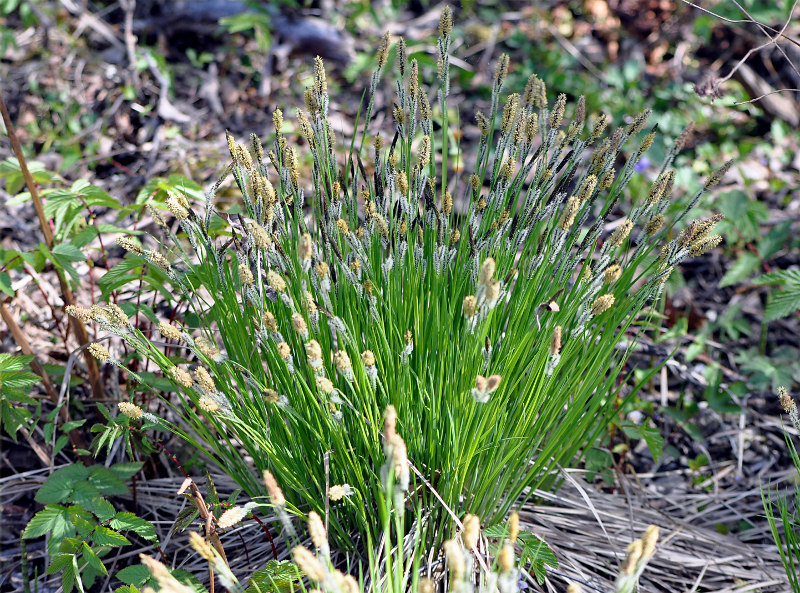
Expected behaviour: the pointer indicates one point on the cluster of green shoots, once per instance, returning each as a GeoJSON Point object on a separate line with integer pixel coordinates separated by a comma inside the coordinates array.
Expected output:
{"type": "Point", "coordinates": [391, 568]}
{"type": "Point", "coordinates": [493, 309]}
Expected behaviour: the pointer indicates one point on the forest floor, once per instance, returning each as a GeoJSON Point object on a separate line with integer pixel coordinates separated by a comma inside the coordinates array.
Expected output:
{"type": "Point", "coordinates": [84, 109]}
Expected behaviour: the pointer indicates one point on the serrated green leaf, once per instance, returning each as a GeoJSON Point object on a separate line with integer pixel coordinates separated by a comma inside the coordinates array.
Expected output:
{"type": "Point", "coordinates": [45, 521]}
{"type": "Point", "coordinates": [103, 536]}
{"type": "Point", "coordinates": [136, 575]}
{"type": "Point", "coordinates": [126, 470]}
{"type": "Point", "coordinates": [60, 561]}
{"type": "Point", "coordinates": [131, 522]}
{"type": "Point", "coordinates": [68, 252]}
{"type": "Point", "coordinates": [782, 303]}
{"type": "Point", "coordinates": [538, 553]}
{"type": "Point", "coordinates": [745, 264]}
{"type": "Point", "coordinates": [277, 576]}
{"type": "Point", "coordinates": [93, 560]}
{"type": "Point", "coordinates": [106, 481]}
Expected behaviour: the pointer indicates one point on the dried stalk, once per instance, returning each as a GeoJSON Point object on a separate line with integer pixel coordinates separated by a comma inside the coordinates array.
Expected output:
{"type": "Point", "coordinates": [66, 292]}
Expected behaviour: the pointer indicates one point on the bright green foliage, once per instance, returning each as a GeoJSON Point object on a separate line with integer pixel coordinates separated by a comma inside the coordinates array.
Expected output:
{"type": "Point", "coordinates": [534, 550]}
{"type": "Point", "coordinates": [279, 576]}
{"type": "Point", "coordinates": [83, 526]}
{"type": "Point", "coordinates": [784, 300]}
{"type": "Point", "coordinates": [783, 515]}
{"type": "Point", "coordinates": [381, 288]}
{"type": "Point", "coordinates": [15, 387]}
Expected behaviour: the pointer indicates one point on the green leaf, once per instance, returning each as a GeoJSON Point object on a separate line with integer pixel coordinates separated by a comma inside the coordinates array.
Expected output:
{"type": "Point", "coordinates": [107, 482]}
{"type": "Point", "coordinates": [498, 531]}
{"type": "Point", "coordinates": [59, 485]}
{"type": "Point", "coordinates": [746, 264]}
{"type": "Point", "coordinates": [650, 435]}
{"type": "Point", "coordinates": [93, 560]}
{"type": "Point", "coordinates": [537, 552]}
{"type": "Point", "coordinates": [136, 575]}
{"type": "Point", "coordinates": [129, 521]}
{"type": "Point", "coordinates": [5, 284]}
{"type": "Point", "coordinates": [277, 576]}
{"type": "Point", "coordinates": [45, 521]}
{"type": "Point", "coordinates": [59, 562]}
{"type": "Point", "coordinates": [126, 470]}
{"type": "Point", "coordinates": [68, 252]}
{"type": "Point", "coordinates": [103, 536]}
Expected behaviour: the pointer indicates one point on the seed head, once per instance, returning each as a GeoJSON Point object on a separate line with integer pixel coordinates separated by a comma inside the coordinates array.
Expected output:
{"type": "Point", "coordinates": [305, 248]}
{"type": "Point", "coordinates": [338, 492]}
{"type": "Point", "coordinates": [555, 342]}
{"type": "Point", "coordinates": [368, 358]}
{"type": "Point", "coordinates": [169, 331]}
{"type": "Point", "coordinates": [245, 275]}
{"type": "Point", "coordinates": [381, 225]}
{"type": "Point", "coordinates": [621, 233]}
{"type": "Point", "coordinates": [456, 561]}
{"type": "Point", "coordinates": [180, 376]}
{"type": "Point", "coordinates": [612, 274]}
{"type": "Point", "coordinates": [274, 491]}
{"type": "Point", "coordinates": [320, 80]}
{"type": "Point", "coordinates": [602, 303]}
{"type": "Point", "coordinates": [446, 22]}
{"type": "Point", "coordinates": [608, 179]}
{"type": "Point", "coordinates": [99, 352]}
{"type": "Point", "coordinates": [487, 271]}
{"type": "Point", "coordinates": [557, 115]}
{"type": "Point", "coordinates": [638, 123]}
{"type": "Point", "coordinates": [157, 260]}
{"type": "Point", "coordinates": [204, 379]}
{"type": "Point", "coordinates": [683, 138]}
{"type": "Point", "coordinates": [269, 321]}
{"type": "Point", "coordinates": [325, 385]}
{"type": "Point", "coordinates": [175, 207]}
{"type": "Point", "coordinates": [655, 224]}
{"type": "Point", "coordinates": [513, 524]}
{"type": "Point", "coordinates": [647, 142]}
{"type": "Point", "coordinates": [424, 152]}
{"type": "Point", "coordinates": [717, 175]}
{"type": "Point", "coordinates": [284, 351]}
{"type": "Point", "coordinates": [505, 559]}
{"type": "Point", "coordinates": [633, 557]}
{"type": "Point", "coordinates": [201, 546]}
{"type": "Point", "coordinates": [231, 517]}
{"type": "Point", "coordinates": [599, 127]}
{"type": "Point", "coordinates": [704, 245]}
{"type": "Point", "coordinates": [472, 530]}
{"type": "Point", "coordinates": [131, 410]}
{"type": "Point", "coordinates": [316, 529]}
{"type": "Point", "coordinates": [299, 324]}
{"type": "Point", "coordinates": [455, 235]}
{"type": "Point", "coordinates": [509, 113]}
{"type": "Point", "coordinates": [502, 69]}
{"type": "Point", "coordinates": [277, 120]}
{"type": "Point", "coordinates": [649, 540]}
{"type": "Point", "coordinates": [483, 123]}
{"type": "Point", "coordinates": [570, 211]}
{"type": "Point", "coordinates": [208, 405]}
{"type": "Point", "coordinates": [277, 283]}
{"type": "Point", "coordinates": [342, 361]}
{"type": "Point", "coordinates": [447, 203]}
{"type": "Point", "coordinates": [313, 350]}
{"type": "Point", "coordinates": [260, 236]}
{"type": "Point", "coordinates": [80, 313]}
{"type": "Point", "coordinates": [130, 244]}
{"type": "Point", "coordinates": [309, 563]}
{"type": "Point", "coordinates": [383, 50]}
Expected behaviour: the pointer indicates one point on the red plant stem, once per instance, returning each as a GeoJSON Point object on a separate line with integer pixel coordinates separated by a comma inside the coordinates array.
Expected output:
{"type": "Point", "coordinates": [269, 536]}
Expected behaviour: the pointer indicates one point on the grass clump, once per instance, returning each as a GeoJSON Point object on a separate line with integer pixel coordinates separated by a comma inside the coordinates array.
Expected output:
{"type": "Point", "coordinates": [494, 308]}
